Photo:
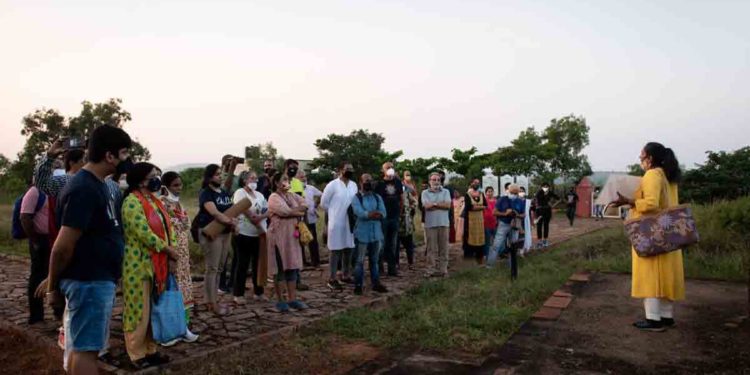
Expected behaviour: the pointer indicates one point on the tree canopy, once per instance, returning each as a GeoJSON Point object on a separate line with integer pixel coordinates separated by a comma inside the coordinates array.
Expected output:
{"type": "Point", "coordinates": [363, 149]}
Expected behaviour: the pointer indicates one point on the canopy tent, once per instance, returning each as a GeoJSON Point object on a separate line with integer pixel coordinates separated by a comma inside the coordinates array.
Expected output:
{"type": "Point", "coordinates": [626, 185]}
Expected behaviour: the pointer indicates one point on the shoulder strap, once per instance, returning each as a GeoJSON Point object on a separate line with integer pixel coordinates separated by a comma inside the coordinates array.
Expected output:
{"type": "Point", "coordinates": [40, 201]}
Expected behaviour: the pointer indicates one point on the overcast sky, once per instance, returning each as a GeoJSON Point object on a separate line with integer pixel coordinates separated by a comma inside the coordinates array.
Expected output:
{"type": "Point", "coordinates": [205, 78]}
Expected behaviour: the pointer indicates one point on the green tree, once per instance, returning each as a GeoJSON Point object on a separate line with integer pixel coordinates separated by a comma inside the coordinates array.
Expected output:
{"type": "Point", "coordinates": [361, 148]}
{"type": "Point", "coordinates": [565, 138]}
{"type": "Point", "coordinates": [468, 163]}
{"type": "Point", "coordinates": [256, 155]}
{"type": "Point", "coordinates": [527, 155]}
{"type": "Point", "coordinates": [635, 170]}
{"type": "Point", "coordinates": [420, 168]}
{"type": "Point", "coordinates": [725, 175]}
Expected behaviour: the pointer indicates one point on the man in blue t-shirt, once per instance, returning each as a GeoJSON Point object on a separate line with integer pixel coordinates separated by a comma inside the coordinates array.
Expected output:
{"type": "Point", "coordinates": [507, 209]}
{"type": "Point", "coordinates": [86, 259]}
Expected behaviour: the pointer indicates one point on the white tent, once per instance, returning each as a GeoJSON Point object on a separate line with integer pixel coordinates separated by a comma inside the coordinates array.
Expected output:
{"type": "Point", "coordinates": [624, 184]}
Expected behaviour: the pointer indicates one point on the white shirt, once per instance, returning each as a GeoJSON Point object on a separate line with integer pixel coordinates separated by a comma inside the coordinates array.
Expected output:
{"type": "Point", "coordinates": [337, 197]}
{"type": "Point", "coordinates": [258, 207]}
{"type": "Point", "coordinates": [312, 212]}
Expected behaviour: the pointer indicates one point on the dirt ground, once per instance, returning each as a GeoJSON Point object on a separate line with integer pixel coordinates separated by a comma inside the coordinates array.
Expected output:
{"type": "Point", "coordinates": [19, 354]}
{"type": "Point", "coordinates": [594, 335]}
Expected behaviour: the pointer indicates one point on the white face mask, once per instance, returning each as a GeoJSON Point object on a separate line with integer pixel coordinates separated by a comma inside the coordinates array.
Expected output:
{"type": "Point", "coordinates": [123, 185]}
{"type": "Point", "coordinates": [58, 172]}
{"type": "Point", "coordinates": [172, 198]}
{"type": "Point", "coordinates": [522, 195]}
{"type": "Point", "coordinates": [252, 185]}
{"type": "Point", "coordinates": [513, 196]}
{"type": "Point", "coordinates": [390, 172]}
{"type": "Point", "coordinates": [545, 189]}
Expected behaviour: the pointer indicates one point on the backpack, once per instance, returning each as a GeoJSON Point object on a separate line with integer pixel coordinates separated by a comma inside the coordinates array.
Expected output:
{"type": "Point", "coordinates": [17, 229]}
{"type": "Point", "coordinates": [352, 216]}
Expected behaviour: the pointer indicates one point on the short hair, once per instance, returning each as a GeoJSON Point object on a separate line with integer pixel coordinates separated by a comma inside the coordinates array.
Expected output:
{"type": "Point", "coordinates": [513, 188]}
{"type": "Point", "coordinates": [506, 185]}
{"type": "Point", "coordinates": [106, 139]}
{"type": "Point", "coordinates": [138, 174]}
{"type": "Point", "coordinates": [488, 188]}
{"type": "Point", "coordinates": [545, 184]}
{"type": "Point", "coordinates": [343, 164]}
{"type": "Point", "coordinates": [435, 174]}
{"type": "Point", "coordinates": [72, 157]}
{"type": "Point", "coordinates": [289, 162]}
{"type": "Point", "coordinates": [244, 175]}
{"type": "Point", "coordinates": [523, 189]}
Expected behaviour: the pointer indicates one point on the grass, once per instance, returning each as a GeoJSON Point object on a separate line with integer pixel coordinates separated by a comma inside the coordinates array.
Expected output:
{"type": "Point", "coordinates": [8, 245]}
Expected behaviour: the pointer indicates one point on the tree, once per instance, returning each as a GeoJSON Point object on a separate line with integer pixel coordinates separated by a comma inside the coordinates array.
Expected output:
{"type": "Point", "coordinates": [256, 155]}
{"type": "Point", "coordinates": [364, 150]}
{"type": "Point", "coordinates": [468, 163]}
{"type": "Point", "coordinates": [635, 170]}
{"type": "Point", "coordinates": [527, 155]}
{"type": "Point", "coordinates": [565, 139]}
{"type": "Point", "coordinates": [725, 175]}
{"type": "Point", "coordinates": [420, 168]}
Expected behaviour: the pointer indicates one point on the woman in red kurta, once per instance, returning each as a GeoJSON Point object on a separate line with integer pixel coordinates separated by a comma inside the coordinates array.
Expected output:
{"type": "Point", "coordinates": [284, 253]}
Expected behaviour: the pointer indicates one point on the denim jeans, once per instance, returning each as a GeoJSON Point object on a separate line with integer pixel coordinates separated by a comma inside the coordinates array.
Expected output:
{"type": "Point", "coordinates": [372, 250]}
{"type": "Point", "coordinates": [390, 249]}
{"type": "Point", "coordinates": [499, 245]}
{"type": "Point", "coordinates": [489, 235]}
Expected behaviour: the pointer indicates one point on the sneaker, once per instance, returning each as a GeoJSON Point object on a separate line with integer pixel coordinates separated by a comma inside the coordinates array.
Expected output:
{"type": "Point", "coordinates": [298, 305]}
{"type": "Point", "coordinates": [260, 298]}
{"type": "Point", "coordinates": [348, 280]}
{"type": "Point", "coordinates": [546, 244]}
{"type": "Point", "coordinates": [190, 337]}
{"type": "Point", "coordinates": [221, 291]}
{"type": "Point", "coordinates": [668, 322]}
{"type": "Point", "coordinates": [240, 300]}
{"type": "Point", "coordinates": [61, 338]}
{"type": "Point", "coordinates": [358, 290]}
{"type": "Point", "coordinates": [302, 287]}
{"type": "Point", "coordinates": [335, 285]}
{"type": "Point", "coordinates": [157, 359]}
{"type": "Point", "coordinates": [171, 343]}
{"type": "Point", "coordinates": [380, 288]}
{"type": "Point", "coordinates": [649, 325]}
{"type": "Point", "coordinates": [282, 307]}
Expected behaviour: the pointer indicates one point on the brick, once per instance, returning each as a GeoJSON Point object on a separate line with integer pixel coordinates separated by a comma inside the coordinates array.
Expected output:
{"type": "Point", "coordinates": [558, 302]}
{"type": "Point", "coordinates": [547, 313]}
{"type": "Point", "coordinates": [580, 277]}
{"type": "Point", "coordinates": [560, 293]}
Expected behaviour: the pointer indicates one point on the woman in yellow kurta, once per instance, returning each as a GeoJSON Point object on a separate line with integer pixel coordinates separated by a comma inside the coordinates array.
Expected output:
{"type": "Point", "coordinates": [473, 236]}
{"type": "Point", "coordinates": [659, 279]}
{"type": "Point", "coordinates": [148, 239]}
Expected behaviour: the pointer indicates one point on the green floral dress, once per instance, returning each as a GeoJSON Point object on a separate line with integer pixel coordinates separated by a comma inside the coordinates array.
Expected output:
{"type": "Point", "coordinates": [137, 266]}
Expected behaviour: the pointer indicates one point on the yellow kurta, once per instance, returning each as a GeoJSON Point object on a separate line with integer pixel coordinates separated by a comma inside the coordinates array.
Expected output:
{"type": "Point", "coordinates": [660, 276]}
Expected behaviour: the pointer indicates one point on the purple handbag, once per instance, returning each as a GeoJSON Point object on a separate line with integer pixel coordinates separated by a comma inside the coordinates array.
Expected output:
{"type": "Point", "coordinates": [670, 230]}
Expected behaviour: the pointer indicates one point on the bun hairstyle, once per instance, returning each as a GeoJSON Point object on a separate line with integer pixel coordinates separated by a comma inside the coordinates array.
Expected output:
{"type": "Point", "coordinates": [664, 158]}
{"type": "Point", "coordinates": [276, 180]}
{"type": "Point", "coordinates": [136, 175]}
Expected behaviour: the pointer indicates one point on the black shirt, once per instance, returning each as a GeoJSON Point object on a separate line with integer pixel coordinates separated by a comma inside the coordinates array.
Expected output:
{"type": "Point", "coordinates": [221, 199]}
{"type": "Point", "coordinates": [543, 200]}
{"type": "Point", "coordinates": [391, 192]}
{"type": "Point", "coordinates": [264, 186]}
{"type": "Point", "coordinates": [572, 199]}
{"type": "Point", "coordinates": [85, 204]}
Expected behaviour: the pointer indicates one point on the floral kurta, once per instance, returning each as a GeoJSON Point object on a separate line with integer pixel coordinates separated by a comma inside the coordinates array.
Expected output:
{"type": "Point", "coordinates": [181, 228]}
{"type": "Point", "coordinates": [137, 266]}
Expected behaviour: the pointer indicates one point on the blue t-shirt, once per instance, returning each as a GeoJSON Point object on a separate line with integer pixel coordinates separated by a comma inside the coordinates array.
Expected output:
{"type": "Point", "coordinates": [85, 204]}
{"type": "Point", "coordinates": [504, 203]}
{"type": "Point", "coordinates": [221, 199]}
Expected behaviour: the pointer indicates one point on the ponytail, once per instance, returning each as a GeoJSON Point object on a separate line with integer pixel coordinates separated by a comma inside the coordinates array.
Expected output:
{"type": "Point", "coordinates": [665, 159]}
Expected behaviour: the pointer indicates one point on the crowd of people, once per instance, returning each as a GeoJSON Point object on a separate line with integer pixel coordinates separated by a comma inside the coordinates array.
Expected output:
{"type": "Point", "coordinates": [104, 221]}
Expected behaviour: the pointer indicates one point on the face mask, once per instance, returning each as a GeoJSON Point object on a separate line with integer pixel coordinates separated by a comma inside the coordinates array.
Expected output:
{"type": "Point", "coordinates": [348, 174]}
{"type": "Point", "coordinates": [123, 184]}
{"type": "Point", "coordinates": [172, 197]}
{"type": "Point", "coordinates": [291, 172]}
{"type": "Point", "coordinates": [123, 167]}
{"type": "Point", "coordinates": [390, 172]}
{"type": "Point", "coordinates": [545, 189]}
{"type": "Point", "coordinates": [58, 172]}
{"type": "Point", "coordinates": [367, 186]}
{"type": "Point", "coordinates": [154, 184]}
{"type": "Point", "coordinates": [252, 185]}
{"type": "Point", "coordinates": [268, 170]}
{"type": "Point", "coordinates": [434, 185]}
{"type": "Point", "coordinates": [475, 186]}
{"type": "Point", "coordinates": [513, 196]}
{"type": "Point", "coordinates": [522, 195]}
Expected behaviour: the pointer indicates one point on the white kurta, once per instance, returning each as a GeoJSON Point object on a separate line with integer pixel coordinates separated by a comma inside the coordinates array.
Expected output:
{"type": "Point", "coordinates": [337, 197]}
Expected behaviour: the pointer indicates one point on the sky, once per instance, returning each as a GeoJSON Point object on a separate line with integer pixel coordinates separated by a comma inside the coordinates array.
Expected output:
{"type": "Point", "coordinates": [206, 78]}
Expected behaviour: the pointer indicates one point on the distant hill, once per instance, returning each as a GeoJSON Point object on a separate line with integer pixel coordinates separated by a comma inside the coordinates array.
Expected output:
{"type": "Point", "coordinates": [182, 167]}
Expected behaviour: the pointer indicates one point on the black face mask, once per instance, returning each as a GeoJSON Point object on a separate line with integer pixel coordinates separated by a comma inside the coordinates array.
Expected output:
{"type": "Point", "coordinates": [154, 184]}
{"type": "Point", "coordinates": [123, 167]}
{"type": "Point", "coordinates": [268, 171]}
{"type": "Point", "coordinates": [475, 186]}
{"type": "Point", "coordinates": [291, 172]}
{"type": "Point", "coordinates": [348, 174]}
{"type": "Point", "coordinates": [367, 186]}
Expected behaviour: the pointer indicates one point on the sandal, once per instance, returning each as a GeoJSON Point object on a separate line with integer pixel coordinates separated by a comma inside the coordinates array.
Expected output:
{"type": "Point", "coordinates": [109, 359]}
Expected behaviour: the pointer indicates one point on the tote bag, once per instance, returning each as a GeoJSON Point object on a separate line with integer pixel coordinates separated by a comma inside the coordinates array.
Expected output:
{"type": "Point", "coordinates": [168, 313]}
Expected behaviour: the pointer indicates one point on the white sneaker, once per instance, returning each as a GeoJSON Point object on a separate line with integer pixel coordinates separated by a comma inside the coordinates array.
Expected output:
{"type": "Point", "coordinates": [190, 337]}
{"type": "Point", "coordinates": [170, 343]}
{"type": "Point", "coordinates": [261, 298]}
{"type": "Point", "coordinates": [240, 300]}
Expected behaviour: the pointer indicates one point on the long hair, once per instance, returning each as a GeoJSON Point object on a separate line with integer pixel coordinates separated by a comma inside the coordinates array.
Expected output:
{"type": "Point", "coordinates": [208, 174]}
{"type": "Point", "coordinates": [169, 177]}
{"type": "Point", "coordinates": [664, 158]}
{"type": "Point", "coordinates": [136, 175]}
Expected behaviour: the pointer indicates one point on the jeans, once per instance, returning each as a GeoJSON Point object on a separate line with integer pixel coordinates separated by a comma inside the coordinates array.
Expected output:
{"type": "Point", "coordinates": [390, 249]}
{"type": "Point", "coordinates": [542, 227]}
{"type": "Point", "coordinates": [372, 250]}
{"type": "Point", "coordinates": [248, 251]}
{"type": "Point", "coordinates": [314, 246]}
{"type": "Point", "coordinates": [88, 314]}
{"type": "Point", "coordinates": [500, 243]}
{"type": "Point", "coordinates": [39, 253]}
{"type": "Point", "coordinates": [571, 213]}
{"type": "Point", "coordinates": [489, 235]}
{"type": "Point", "coordinates": [408, 242]}
{"type": "Point", "coordinates": [345, 257]}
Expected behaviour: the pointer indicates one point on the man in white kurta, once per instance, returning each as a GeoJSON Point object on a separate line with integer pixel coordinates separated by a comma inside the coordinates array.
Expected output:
{"type": "Point", "coordinates": [337, 197]}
